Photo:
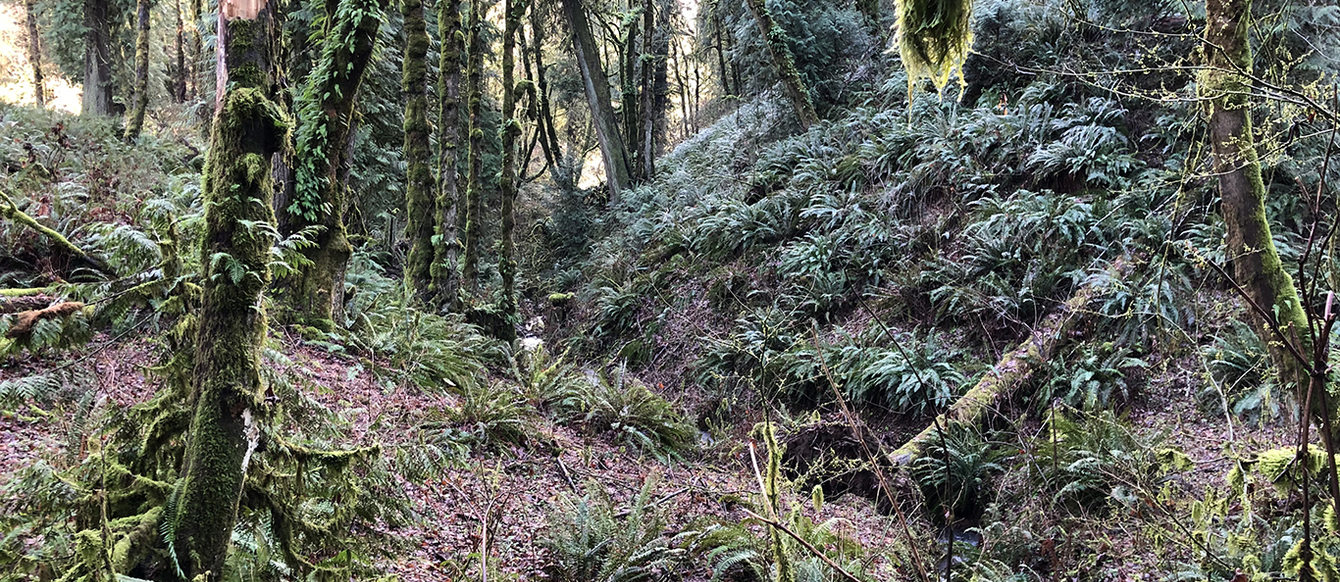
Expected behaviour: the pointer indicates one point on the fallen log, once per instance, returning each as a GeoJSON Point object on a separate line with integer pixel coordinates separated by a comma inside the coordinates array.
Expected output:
{"type": "Point", "coordinates": [24, 321]}
{"type": "Point", "coordinates": [1014, 369]}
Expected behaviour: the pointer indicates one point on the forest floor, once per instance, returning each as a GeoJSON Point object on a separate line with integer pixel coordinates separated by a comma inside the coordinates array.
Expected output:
{"type": "Point", "coordinates": [502, 497]}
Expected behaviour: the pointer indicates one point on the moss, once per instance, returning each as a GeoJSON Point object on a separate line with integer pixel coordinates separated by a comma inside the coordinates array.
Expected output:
{"type": "Point", "coordinates": [420, 200]}
{"type": "Point", "coordinates": [247, 131]}
{"type": "Point", "coordinates": [474, 67]}
{"type": "Point", "coordinates": [445, 277]}
{"type": "Point", "coordinates": [508, 183]}
{"type": "Point", "coordinates": [934, 39]}
{"type": "Point", "coordinates": [141, 99]}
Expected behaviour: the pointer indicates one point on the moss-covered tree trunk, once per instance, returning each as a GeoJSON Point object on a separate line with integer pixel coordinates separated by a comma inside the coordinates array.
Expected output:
{"type": "Point", "coordinates": [325, 112]}
{"type": "Point", "coordinates": [445, 271]}
{"type": "Point", "coordinates": [420, 198]}
{"type": "Point", "coordinates": [784, 63]}
{"type": "Point", "coordinates": [97, 98]}
{"type": "Point", "coordinates": [629, 97]}
{"type": "Point", "coordinates": [35, 53]}
{"type": "Point", "coordinates": [248, 129]}
{"type": "Point", "coordinates": [647, 93]}
{"type": "Point", "coordinates": [613, 151]}
{"type": "Point", "coordinates": [1014, 370]}
{"type": "Point", "coordinates": [140, 102]}
{"type": "Point", "coordinates": [474, 181]}
{"type": "Point", "coordinates": [1256, 262]}
{"type": "Point", "coordinates": [515, 10]}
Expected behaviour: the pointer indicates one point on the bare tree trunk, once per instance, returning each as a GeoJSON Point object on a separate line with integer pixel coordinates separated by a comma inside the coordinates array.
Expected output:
{"type": "Point", "coordinates": [140, 104]}
{"type": "Point", "coordinates": [647, 94]}
{"type": "Point", "coordinates": [97, 59]}
{"type": "Point", "coordinates": [248, 130]}
{"type": "Point", "coordinates": [179, 47]}
{"type": "Point", "coordinates": [785, 63]}
{"type": "Point", "coordinates": [1256, 262]}
{"type": "Point", "coordinates": [35, 53]}
{"type": "Point", "coordinates": [618, 171]}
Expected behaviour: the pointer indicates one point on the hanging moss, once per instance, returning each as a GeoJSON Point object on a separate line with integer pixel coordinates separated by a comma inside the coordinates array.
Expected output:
{"type": "Point", "coordinates": [934, 38]}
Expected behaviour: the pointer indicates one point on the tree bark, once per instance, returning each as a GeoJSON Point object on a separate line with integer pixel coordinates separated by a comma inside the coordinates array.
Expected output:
{"type": "Point", "coordinates": [785, 64]}
{"type": "Point", "coordinates": [445, 271]}
{"type": "Point", "coordinates": [647, 92]}
{"type": "Point", "coordinates": [420, 198]}
{"type": "Point", "coordinates": [97, 98]}
{"type": "Point", "coordinates": [141, 99]}
{"type": "Point", "coordinates": [1256, 262]}
{"type": "Point", "coordinates": [179, 47]}
{"type": "Point", "coordinates": [613, 151]}
{"type": "Point", "coordinates": [35, 54]}
{"type": "Point", "coordinates": [474, 183]}
{"type": "Point", "coordinates": [247, 130]}
{"type": "Point", "coordinates": [325, 136]}
{"type": "Point", "coordinates": [515, 10]}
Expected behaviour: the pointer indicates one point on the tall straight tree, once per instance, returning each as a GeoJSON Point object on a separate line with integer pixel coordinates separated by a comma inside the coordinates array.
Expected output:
{"type": "Point", "coordinates": [420, 198]}
{"type": "Point", "coordinates": [325, 130]}
{"type": "Point", "coordinates": [140, 102]}
{"type": "Point", "coordinates": [97, 58]}
{"type": "Point", "coordinates": [613, 150]}
{"type": "Point", "coordinates": [784, 63]}
{"type": "Point", "coordinates": [35, 53]}
{"type": "Point", "coordinates": [514, 11]}
{"type": "Point", "coordinates": [1256, 261]}
{"type": "Point", "coordinates": [179, 70]}
{"type": "Point", "coordinates": [474, 182]}
{"type": "Point", "coordinates": [248, 129]}
{"type": "Point", "coordinates": [446, 280]}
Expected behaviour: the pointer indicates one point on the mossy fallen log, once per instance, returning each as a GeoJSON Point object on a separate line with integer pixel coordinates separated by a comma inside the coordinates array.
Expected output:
{"type": "Point", "coordinates": [1014, 370]}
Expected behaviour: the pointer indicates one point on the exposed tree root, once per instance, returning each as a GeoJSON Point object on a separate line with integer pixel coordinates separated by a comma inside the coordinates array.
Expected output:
{"type": "Point", "coordinates": [1013, 371]}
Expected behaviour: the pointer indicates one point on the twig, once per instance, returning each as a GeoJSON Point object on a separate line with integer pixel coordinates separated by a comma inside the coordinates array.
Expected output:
{"type": "Point", "coordinates": [808, 546]}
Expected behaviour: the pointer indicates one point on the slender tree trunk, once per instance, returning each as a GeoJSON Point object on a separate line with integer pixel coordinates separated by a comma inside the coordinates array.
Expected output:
{"type": "Point", "coordinates": [784, 62]}
{"type": "Point", "coordinates": [1256, 262]}
{"type": "Point", "coordinates": [515, 10]}
{"type": "Point", "coordinates": [325, 134]}
{"type": "Point", "coordinates": [618, 171]}
{"type": "Point", "coordinates": [562, 172]}
{"type": "Point", "coordinates": [474, 183]}
{"type": "Point", "coordinates": [97, 59]}
{"type": "Point", "coordinates": [35, 53]}
{"type": "Point", "coordinates": [445, 270]}
{"type": "Point", "coordinates": [647, 93]}
{"type": "Point", "coordinates": [629, 100]}
{"type": "Point", "coordinates": [248, 130]}
{"type": "Point", "coordinates": [420, 198]}
{"type": "Point", "coordinates": [180, 73]}
{"type": "Point", "coordinates": [660, 81]}
{"type": "Point", "coordinates": [719, 34]}
{"type": "Point", "coordinates": [141, 100]}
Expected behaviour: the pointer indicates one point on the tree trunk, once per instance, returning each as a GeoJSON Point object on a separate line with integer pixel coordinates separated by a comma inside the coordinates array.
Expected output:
{"type": "Point", "coordinates": [785, 63]}
{"type": "Point", "coordinates": [179, 47]}
{"type": "Point", "coordinates": [647, 93]}
{"type": "Point", "coordinates": [420, 198]}
{"type": "Point", "coordinates": [1256, 262]}
{"type": "Point", "coordinates": [35, 54]}
{"type": "Point", "coordinates": [248, 129]}
{"type": "Point", "coordinates": [614, 153]}
{"type": "Point", "coordinates": [474, 183]}
{"type": "Point", "coordinates": [325, 134]}
{"type": "Point", "coordinates": [629, 103]}
{"type": "Point", "coordinates": [562, 173]}
{"type": "Point", "coordinates": [141, 99]}
{"type": "Point", "coordinates": [97, 98]}
{"type": "Point", "coordinates": [660, 84]}
{"type": "Point", "coordinates": [445, 270]}
{"type": "Point", "coordinates": [1013, 371]}
{"type": "Point", "coordinates": [515, 10]}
